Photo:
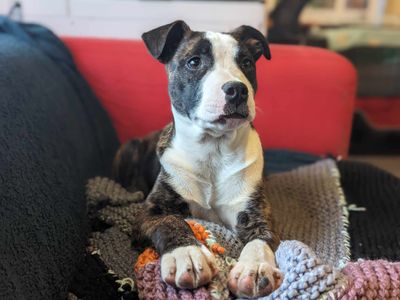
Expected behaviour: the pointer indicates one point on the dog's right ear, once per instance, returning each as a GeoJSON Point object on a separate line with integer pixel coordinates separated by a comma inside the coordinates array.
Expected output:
{"type": "Point", "coordinates": [254, 40]}
{"type": "Point", "coordinates": [163, 41]}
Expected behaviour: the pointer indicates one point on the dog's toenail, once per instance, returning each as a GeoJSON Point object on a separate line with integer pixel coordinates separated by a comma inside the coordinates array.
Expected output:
{"type": "Point", "coordinates": [263, 283]}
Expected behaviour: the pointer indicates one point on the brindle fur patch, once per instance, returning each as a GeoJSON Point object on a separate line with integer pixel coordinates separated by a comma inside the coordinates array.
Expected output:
{"type": "Point", "coordinates": [250, 71]}
{"type": "Point", "coordinates": [252, 44]}
{"type": "Point", "coordinates": [184, 84]}
{"type": "Point", "coordinates": [256, 222]}
{"type": "Point", "coordinates": [163, 221]}
{"type": "Point", "coordinates": [165, 138]}
{"type": "Point", "coordinates": [136, 165]}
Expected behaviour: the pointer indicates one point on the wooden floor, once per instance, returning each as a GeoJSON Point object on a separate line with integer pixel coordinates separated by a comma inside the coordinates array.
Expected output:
{"type": "Point", "coordinates": [388, 163]}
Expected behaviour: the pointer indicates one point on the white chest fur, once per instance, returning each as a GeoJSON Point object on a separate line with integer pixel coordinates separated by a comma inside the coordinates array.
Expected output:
{"type": "Point", "coordinates": [215, 176]}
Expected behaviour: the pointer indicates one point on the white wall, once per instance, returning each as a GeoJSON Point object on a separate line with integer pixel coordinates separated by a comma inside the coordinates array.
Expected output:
{"type": "Point", "coordinates": [130, 18]}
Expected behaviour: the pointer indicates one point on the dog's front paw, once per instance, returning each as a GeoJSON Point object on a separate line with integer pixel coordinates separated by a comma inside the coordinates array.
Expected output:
{"type": "Point", "coordinates": [188, 267]}
{"type": "Point", "coordinates": [253, 279]}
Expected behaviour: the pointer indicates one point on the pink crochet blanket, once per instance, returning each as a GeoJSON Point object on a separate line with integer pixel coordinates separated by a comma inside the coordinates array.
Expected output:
{"type": "Point", "coordinates": [372, 279]}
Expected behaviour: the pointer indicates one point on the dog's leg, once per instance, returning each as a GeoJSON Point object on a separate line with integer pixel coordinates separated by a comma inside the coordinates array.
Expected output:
{"type": "Point", "coordinates": [185, 263]}
{"type": "Point", "coordinates": [256, 274]}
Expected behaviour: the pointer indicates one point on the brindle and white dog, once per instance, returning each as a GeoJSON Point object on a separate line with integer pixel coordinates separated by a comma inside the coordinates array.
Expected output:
{"type": "Point", "coordinates": [209, 161]}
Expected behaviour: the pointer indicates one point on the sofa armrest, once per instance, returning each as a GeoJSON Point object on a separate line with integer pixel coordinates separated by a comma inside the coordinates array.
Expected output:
{"type": "Point", "coordinates": [49, 147]}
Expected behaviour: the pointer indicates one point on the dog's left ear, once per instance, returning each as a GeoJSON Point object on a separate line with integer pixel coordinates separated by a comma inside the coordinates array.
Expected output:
{"type": "Point", "coordinates": [163, 41]}
{"type": "Point", "coordinates": [254, 40]}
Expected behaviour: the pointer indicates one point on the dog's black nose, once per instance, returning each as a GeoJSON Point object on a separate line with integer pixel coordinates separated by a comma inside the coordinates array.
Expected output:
{"type": "Point", "coordinates": [236, 92]}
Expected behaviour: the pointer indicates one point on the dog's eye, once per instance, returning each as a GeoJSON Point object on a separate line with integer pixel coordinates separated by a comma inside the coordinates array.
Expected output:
{"type": "Point", "coordinates": [194, 62]}
{"type": "Point", "coordinates": [247, 63]}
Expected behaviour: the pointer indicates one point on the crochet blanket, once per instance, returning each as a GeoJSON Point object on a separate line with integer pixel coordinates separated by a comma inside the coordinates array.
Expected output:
{"type": "Point", "coordinates": [308, 205]}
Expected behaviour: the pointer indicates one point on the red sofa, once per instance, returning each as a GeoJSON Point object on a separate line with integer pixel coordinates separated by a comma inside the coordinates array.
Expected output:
{"type": "Point", "coordinates": [305, 99]}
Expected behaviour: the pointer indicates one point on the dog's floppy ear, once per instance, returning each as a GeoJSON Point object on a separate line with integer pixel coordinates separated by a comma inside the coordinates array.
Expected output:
{"type": "Point", "coordinates": [163, 41]}
{"type": "Point", "coordinates": [254, 40]}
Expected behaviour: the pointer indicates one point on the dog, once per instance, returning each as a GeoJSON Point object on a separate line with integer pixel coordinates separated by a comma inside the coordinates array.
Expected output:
{"type": "Point", "coordinates": [208, 162]}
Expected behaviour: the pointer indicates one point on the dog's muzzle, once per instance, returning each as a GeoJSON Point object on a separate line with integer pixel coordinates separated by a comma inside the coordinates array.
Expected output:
{"type": "Point", "coordinates": [236, 95]}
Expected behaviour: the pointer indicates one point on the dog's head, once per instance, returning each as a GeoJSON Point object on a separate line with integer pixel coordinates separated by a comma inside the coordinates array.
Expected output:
{"type": "Point", "coordinates": [212, 76]}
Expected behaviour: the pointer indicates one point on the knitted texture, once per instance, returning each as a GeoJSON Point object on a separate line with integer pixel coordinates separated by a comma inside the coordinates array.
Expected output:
{"type": "Point", "coordinates": [306, 277]}
{"type": "Point", "coordinates": [115, 249]}
{"type": "Point", "coordinates": [375, 231]}
{"type": "Point", "coordinates": [151, 286]}
{"type": "Point", "coordinates": [308, 205]}
{"type": "Point", "coordinates": [147, 256]}
{"type": "Point", "coordinates": [305, 274]}
{"type": "Point", "coordinates": [377, 279]}
{"type": "Point", "coordinates": [147, 269]}
{"type": "Point", "coordinates": [205, 237]}
{"type": "Point", "coordinates": [110, 203]}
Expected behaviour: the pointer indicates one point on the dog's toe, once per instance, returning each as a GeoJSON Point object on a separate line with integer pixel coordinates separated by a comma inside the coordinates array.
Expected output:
{"type": "Point", "coordinates": [246, 285]}
{"type": "Point", "coordinates": [168, 268]}
{"type": "Point", "coordinates": [233, 278]}
{"type": "Point", "coordinates": [186, 280]}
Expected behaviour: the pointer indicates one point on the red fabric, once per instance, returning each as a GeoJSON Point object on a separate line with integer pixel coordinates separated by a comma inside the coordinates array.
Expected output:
{"type": "Point", "coordinates": [383, 113]}
{"type": "Point", "coordinates": [305, 99]}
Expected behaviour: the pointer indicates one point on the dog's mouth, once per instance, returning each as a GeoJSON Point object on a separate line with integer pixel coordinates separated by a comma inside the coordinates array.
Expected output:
{"type": "Point", "coordinates": [223, 118]}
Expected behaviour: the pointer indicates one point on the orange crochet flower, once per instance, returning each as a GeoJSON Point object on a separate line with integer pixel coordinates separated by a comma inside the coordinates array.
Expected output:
{"type": "Point", "coordinates": [201, 234]}
{"type": "Point", "coordinates": [204, 237]}
{"type": "Point", "coordinates": [147, 256]}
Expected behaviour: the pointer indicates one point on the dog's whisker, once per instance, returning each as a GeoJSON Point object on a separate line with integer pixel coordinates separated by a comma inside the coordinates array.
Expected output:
{"type": "Point", "coordinates": [258, 109]}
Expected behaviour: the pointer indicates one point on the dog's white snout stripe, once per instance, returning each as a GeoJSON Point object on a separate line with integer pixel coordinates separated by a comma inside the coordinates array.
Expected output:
{"type": "Point", "coordinates": [225, 70]}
